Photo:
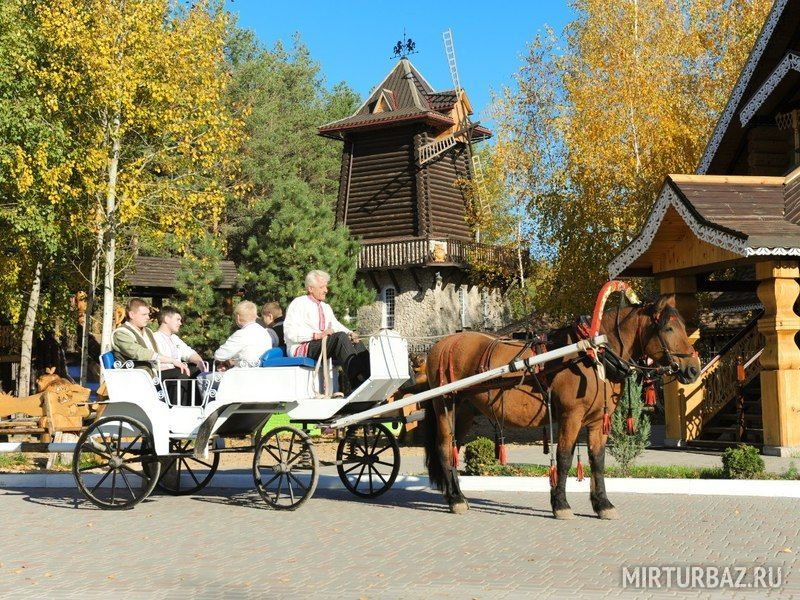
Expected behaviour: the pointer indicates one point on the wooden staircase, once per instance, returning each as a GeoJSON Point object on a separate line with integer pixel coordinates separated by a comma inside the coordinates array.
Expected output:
{"type": "Point", "coordinates": [731, 409]}
{"type": "Point", "coordinates": [730, 427]}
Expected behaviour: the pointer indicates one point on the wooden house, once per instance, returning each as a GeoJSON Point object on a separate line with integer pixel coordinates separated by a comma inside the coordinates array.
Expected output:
{"type": "Point", "coordinates": [740, 209]}
{"type": "Point", "coordinates": [405, 158]}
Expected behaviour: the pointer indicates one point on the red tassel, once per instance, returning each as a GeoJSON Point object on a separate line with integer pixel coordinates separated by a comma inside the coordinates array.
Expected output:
{"type": "Point", "coordinates": [545, 442]}
{"type": "Point", "coordinates": [580, 469]}
{"type": "Point", "coordinates": [502, 454]}
{"type": "Point", "coordinates": [553, 476]}
{"type": "Point", "coordinates": [606, 422]}
{"type": "Point", "coordinates": [649, 393]}
{"type": "Point", "coordinates": [455, 456]}
{"type": "Point", "coordinates": [630, 426]}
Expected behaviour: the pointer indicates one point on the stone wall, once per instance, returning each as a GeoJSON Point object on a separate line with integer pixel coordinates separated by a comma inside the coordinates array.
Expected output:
{"type": "Point", "coordinates": [434, 311]}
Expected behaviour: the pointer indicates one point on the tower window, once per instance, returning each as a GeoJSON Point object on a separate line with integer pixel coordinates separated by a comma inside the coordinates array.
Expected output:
{"type": "Point", "coordinates": [389, 295]}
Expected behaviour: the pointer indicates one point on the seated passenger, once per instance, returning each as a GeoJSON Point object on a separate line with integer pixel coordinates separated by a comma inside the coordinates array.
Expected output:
{"type": "Point", "coordinates": [134, 340]}
{"type": "Point", "coordinates": [272, 315]}
{"type": "Point", "coordinates": [249, 342]}
{"type": "Point", "coordinates": [169, 344]}
{"type": "Point", "coordinates": [309, 319]}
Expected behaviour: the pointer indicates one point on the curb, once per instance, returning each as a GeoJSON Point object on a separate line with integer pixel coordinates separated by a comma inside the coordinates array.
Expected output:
{"type": "Point", "coordinates": [689, 487]}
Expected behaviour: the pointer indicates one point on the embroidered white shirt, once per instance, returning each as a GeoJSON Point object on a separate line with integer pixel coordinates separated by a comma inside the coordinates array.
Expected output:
{"type": "Point", "coordinates": [173, 346]}
{"type": "Point", "coordinates": [247, 343]}
{"type": "Point", "coordinates": [304, 323]}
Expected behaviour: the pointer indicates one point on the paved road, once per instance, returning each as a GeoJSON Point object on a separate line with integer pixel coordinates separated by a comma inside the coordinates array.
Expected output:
{"type": "Point", "coordinates": [403, 545]}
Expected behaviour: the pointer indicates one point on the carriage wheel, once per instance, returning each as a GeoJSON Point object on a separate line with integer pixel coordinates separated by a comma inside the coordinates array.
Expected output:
{"type": "Point", "coordinates": [114, 463]}
{"type": "Point", "coordinates": [183, 475]}
{"type": "Point", "coordinates": [285, 468]}
{"type": "Point", "coordinates": [368, 460]}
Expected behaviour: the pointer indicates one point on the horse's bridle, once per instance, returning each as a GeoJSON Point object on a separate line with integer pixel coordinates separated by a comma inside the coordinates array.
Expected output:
{"type": "Point", "coordinates": [655, 322]}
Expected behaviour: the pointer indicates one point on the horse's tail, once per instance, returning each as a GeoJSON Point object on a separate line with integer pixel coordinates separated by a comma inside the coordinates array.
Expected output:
{"type": "Point", "coordinates": [433, 455]}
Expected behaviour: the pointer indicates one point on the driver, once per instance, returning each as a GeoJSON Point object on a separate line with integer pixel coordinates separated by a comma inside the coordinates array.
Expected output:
{"type": "Point", "coordinates": [309, 318]}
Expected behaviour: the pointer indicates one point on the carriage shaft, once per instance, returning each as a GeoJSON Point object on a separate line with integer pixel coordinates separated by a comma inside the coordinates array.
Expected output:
{"type": "Point", "coordinates": [455, 386]}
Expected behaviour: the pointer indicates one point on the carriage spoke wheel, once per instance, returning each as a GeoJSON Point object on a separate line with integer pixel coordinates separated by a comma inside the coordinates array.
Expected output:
{"type": "Point", "coordinates": [114, 463]}
{"type": "Point", "coordinates": [184, 474]}
{"type": "Point", "coordinates": [285, 468]}
{"type": "Point", "coordinates": [368, 460]}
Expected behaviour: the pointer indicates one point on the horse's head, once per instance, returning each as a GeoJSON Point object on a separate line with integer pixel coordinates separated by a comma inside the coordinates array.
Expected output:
{"type": "Point", "coordinates": [662, 334]}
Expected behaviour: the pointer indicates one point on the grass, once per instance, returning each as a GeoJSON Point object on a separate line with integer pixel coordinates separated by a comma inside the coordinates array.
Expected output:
{"type": "Point", "coordinates": [638, 471]}
{"type": "Point", "coordinates": [15, 460]}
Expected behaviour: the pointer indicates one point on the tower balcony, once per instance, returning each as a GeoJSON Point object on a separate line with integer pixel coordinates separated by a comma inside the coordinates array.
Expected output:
{"type": "Point", "coordinates": [435, 252]}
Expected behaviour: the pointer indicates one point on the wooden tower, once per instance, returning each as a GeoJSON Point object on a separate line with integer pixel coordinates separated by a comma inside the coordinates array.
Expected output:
{"type": "Point", "coordinates": [405, 150]}
{"type": "Point", "coordinates": [406, 156]}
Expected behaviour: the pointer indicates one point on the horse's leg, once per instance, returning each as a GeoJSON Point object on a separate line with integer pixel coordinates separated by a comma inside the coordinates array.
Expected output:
{"type": "Point", "coordinates": [569, 426]}
{"type": "Point", "coordinates": [443, 475]}
{"type": "Point", "coordinates": [448, 425]}
{"type": "Point", "coordinates": [597, 460]}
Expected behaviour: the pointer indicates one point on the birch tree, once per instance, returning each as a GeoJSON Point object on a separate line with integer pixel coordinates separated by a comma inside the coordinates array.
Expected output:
{"type": "Point", "coordinates": [144, 83]}
{"type": "Point", "coordinates": [589, 129]}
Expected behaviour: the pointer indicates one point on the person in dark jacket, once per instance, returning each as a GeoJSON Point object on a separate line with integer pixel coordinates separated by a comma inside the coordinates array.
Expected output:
{"type": "Point", "coordinates": [272, 316]}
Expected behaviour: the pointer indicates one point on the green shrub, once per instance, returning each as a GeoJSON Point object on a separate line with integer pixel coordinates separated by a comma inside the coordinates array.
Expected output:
{"type": "Point", "coordinates": [479, 456]}
{"type": "Point", "coordinates": [742, 462]}
{"type": "Point", "coordinates": [622, 446]}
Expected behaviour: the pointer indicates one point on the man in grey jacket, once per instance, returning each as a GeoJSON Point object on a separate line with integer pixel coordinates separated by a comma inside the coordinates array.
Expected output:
{"type": "Point", "coordinates": [134, 340]}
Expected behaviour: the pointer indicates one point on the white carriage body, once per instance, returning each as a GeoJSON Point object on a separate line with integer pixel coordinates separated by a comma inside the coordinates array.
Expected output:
{"type": "Point", "coordinates": [248, 395]}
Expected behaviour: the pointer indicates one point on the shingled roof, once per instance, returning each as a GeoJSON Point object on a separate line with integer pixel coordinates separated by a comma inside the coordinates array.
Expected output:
{"type": "Point", "coordinates": [746, 215]}
{"type": "Point", "coordinates": [777, 37]}
{"type": "Point", "coordinates": [404, 95]}
{"type": "Point", "coordinates": [158, 272]}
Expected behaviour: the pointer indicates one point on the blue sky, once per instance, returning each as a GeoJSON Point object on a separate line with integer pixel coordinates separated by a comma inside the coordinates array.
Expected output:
{"type": "Point", "coordinates": [353, 39]}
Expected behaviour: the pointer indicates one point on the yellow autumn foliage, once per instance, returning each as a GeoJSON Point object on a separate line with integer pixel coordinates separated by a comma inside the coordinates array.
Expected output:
{"type": "Point", "coordinates": [149, 76]}
{"type": "Point", "coordinates": [589, 131]}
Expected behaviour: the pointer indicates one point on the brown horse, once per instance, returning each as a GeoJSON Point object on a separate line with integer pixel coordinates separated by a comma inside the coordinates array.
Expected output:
{"type": "Point", "coordinates": [578, 394]}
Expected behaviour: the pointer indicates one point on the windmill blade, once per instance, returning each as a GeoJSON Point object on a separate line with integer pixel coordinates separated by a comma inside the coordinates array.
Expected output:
{"type": "Point", "coordinates": [451, 58]}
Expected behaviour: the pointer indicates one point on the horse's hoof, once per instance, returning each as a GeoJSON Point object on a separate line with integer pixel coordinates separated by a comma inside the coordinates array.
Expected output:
{"type": "Point", "coordinates": [608, 514]}
{"type": "Point", "coordinates": [459, 508]}
{"type": "Point", "coordinates": [563, 514]}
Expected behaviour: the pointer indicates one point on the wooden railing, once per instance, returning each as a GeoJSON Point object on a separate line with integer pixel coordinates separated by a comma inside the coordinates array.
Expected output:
{"type": "Point", "coordinates": [719, 379]}
{"type": "Point", "coordinates": [430, 251]}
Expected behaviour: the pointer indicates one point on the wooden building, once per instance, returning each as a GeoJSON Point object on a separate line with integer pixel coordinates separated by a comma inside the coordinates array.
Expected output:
{"type": "Point", "coordinates": [405, 159]}
{"type": "Point", "coordinates": [741, 209]}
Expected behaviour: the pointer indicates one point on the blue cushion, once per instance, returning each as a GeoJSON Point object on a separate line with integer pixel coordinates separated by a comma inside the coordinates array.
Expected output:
{"type": "Point", "coordinates": [107, 360]}
{"type": "Point", "coordinates": [289, 361]}
{"type": "Point", "coordinates": [272, 353]}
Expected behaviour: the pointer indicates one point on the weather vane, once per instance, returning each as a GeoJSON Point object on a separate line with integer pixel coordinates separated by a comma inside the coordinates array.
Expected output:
{"type": "Point", "coordinates": [404, 47]}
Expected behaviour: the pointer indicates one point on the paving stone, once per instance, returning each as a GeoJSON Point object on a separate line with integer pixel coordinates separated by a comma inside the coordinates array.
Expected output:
{"type": "Point", "coordinates": [401, 545]}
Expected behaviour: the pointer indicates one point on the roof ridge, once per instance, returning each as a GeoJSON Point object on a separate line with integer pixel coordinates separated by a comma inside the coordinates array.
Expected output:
{"type": "Point", "coordinates": [735, 96]}
{"type": "Point", "coordinates": [733, 179]}
{"type": "Point", "coordinates": [408, 78]}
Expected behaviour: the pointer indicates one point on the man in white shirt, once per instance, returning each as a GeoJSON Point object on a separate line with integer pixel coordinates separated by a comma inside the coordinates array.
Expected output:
{"type": "Point", "coordinates": [249, 342]}
{"type": "Point", "coordinates": [309, 319]}
{"type": "Point", "coordinates": [169, 344]}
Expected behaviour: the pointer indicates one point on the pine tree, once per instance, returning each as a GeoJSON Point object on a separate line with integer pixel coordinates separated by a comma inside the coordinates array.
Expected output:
{"type": "Point", "coordinates": [626, 446]}
{"type": "Point", "coordinates": [290, 233]}
{"type": "Point", "coordinates": [202, 304]}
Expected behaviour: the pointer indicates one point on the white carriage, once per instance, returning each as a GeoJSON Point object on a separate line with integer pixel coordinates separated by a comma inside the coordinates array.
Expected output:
{"type": "Point", "coordinates": [148, 437]}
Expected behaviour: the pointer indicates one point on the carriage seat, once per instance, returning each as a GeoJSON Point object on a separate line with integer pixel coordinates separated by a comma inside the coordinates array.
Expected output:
{"type": "Point", "coordinates": [107, 360]}
{"type": "Point", "coordinates": [276, 357]}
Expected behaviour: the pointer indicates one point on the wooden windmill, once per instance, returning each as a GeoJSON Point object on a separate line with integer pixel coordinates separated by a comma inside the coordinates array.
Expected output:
{"type": "Point", "coordinates": [405, 150]}
{"type": "Point", "coordinates": [406, 153]}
